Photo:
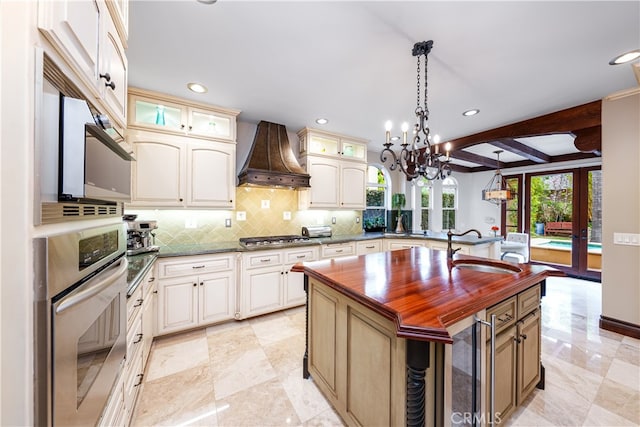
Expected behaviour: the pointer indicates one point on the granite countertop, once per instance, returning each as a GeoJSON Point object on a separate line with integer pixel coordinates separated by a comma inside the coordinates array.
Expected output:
{"type": "Point", "coordinates": [420, 290]}
{"type": "Point", "coordinates": [139, 265]}
{"type": "Point", "coordinates": [235, 246]}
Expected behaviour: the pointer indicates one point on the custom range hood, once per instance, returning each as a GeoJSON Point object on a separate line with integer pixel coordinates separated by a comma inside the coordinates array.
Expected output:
{"type": "Point", "coordinates": [271, 161]}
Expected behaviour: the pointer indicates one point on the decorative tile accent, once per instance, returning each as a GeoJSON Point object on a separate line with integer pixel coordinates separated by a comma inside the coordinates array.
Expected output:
{"type": "Point", "coordinates": [259, 221]}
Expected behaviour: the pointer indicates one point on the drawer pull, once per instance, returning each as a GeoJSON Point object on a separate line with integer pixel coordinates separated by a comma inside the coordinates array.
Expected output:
{"type": "Point", "coordinates": [339, 250]}
{"type": "Point", "coordinates": [139, 339]}
{"type": "Point", "coordinates": [507, 317]}
{"type": "Point", "coordinates": [195, 267]}
{"type": "Point", "coordinates": [151, 279]}
{"type": "Point", "coordinates": [140, 376]}
{"type": "Point", "coordinates": [523, 336]}
{"type": "Point", "coordinates": [265, 260]}
{"type": "Point", "coordinates": [369, 247]}
{"type": "Point", "coordinates": [301, 256]}
{"type": "Point", "coordinates": [139, 302]}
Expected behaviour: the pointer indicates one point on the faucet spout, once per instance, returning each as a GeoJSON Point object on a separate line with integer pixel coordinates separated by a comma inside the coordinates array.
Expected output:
{"type": "Point", "coordinates": [450, 234]}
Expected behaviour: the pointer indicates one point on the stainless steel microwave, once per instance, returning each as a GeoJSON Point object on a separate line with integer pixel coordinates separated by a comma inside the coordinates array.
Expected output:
{"type": "Point", "coordinates": [92, 165]}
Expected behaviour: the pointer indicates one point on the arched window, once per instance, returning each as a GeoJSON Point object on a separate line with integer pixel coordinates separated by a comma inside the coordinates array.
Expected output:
{"type": "Point", "coordinates": [378, 185]}
{"type": "Point", "coordinates": [423, 203]}
{"type": "Point", "coordinates": [449, 203]}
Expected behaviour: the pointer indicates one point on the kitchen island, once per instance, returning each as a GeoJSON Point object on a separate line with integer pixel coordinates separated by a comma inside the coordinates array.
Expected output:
{"type": "Point", "coordinates": [380, 329]}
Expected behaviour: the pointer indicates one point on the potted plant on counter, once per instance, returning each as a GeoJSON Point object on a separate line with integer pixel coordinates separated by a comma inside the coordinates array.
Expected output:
{"type": "Point", "coordinates": [398, 201]}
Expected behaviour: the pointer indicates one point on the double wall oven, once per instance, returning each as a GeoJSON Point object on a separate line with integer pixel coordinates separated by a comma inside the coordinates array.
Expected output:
{"type": "Point", "coordinates": [80, 323]}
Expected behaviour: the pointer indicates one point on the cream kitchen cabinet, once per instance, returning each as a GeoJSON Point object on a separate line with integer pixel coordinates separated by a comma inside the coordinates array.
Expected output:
{"type": "Point", "coordinates": [335, 183]}
{"type": "Point", "coordinates": [338, 249]}
{"type": "Point", "coordinates": [518, 348]}
{"type": "Point", "coordinates": [181, 172]}
{"type": "Point", "coordinates": [267, 283]}
{"type": "Point", "coordinates": [120, 14]}
{"type": "Point", "coordinates": [394, 244]}
{"type": "Point", "coordinates": [318, 142]}
{"type": "Point", "coordinates": [165, 113]}
{"type": "Point", "coordinates": [195, 291]}
{"type": "Point", "coordinates": [84, 34]}
{"type": "Point", "coordinates": [337, 165]}
{"type": "Point", "coordinates": [369, 247]}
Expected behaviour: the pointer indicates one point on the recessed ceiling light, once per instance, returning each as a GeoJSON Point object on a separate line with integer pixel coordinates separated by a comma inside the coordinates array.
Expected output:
{"type": "Point", "coordinates": [471, 112]}
{"type": "Point", "coordinates": [625, 57]}
{"type": "Point", "coordinates": [322, 121]}
{"type": "Point", "coordinates": [197, 87]}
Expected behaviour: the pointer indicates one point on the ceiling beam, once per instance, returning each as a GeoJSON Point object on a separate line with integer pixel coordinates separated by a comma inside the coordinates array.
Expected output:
{"type": "Point", "coordinates": [564, 121]}
{"type": "Point", "coordinates": [516, 147]}
{"type": "Point", "coordinates": [475, 158]}
{"type": "Point", "coordinates": [589, 140]}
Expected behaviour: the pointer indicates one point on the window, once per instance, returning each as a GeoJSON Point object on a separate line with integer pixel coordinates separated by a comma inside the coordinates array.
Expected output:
{"type": "Point", "coordinates": [377, 196]}
{"type": "Point", "coordinates": [449, 203]}
{"type": "Point", "coordinates": [423, 204]}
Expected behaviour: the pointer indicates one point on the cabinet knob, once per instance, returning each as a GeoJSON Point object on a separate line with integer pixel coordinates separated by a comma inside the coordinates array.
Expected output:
{"type": "Point", "coordinates": [112, 85]}
{"type": "Point", "coordinates": [523, 336]}
{"type": "Point", "coordinates": [106, 76]}
{"type": "Point", "coordinates": [181, 126]}
{"type": "Point", "coordinates": [190, 127]}
{"type": "Point", "coordinates": [201, 283]}
{"type": "Point", "coordinates": [155, 292]}
{"type": "Point", "coordinates": [180, 199]}
{"type": "Point", "coordinates": [195, 284]}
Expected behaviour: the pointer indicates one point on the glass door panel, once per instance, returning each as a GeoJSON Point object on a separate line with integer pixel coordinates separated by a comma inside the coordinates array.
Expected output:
{"type": "Point", "coordinates": [207, 124]}
{"type": "Point", "coordinates": [158, 115]}
{"type": "Point", "coordinates": [594, 221]}
{"type": "Point", "coordinates": [551, 218]}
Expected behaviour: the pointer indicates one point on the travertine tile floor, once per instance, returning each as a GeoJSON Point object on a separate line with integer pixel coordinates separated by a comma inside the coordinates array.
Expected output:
{"type": "Point", "coordinates": [249, 373]}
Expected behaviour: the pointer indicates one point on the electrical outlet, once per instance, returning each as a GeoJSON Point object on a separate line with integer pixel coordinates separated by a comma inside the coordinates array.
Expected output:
{"type": "Point", "coordinates": [241, 216]}
{"type": "Point", "coordinates": [227, 222]}
{"type": "Point", "coordinates": [333, 220]}
{"type": "Point", "coordinates": [286, 215]}
{"type": "Point", "coordinates": [264, 204]}
{"type": "Point", "coordinates": [190, 223]}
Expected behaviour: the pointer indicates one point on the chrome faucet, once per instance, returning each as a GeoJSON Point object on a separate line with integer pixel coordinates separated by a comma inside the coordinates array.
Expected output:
{"type": "Point", "coordinates": [450, 250]}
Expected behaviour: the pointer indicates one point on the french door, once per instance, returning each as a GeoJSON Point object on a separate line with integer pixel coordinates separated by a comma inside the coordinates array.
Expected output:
{"type": "Point", "coordinates": [562, 213]}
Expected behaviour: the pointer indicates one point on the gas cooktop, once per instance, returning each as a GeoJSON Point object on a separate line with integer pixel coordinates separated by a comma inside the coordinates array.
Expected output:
{"type": "Point", "coordinates": [272, 240]}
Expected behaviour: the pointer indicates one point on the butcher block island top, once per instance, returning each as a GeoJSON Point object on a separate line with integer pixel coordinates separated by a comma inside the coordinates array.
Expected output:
{"type": "Point", "coordinates": [420, 289]}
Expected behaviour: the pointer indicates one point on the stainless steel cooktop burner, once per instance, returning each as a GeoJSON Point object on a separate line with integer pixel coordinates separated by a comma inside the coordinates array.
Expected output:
{"type": "Point", "coordinates": [272, 240]}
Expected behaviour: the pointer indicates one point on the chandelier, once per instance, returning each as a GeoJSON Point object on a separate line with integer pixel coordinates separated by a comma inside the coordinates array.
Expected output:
{"type": "Point", "coordinates": [497, 191]}
{"type": "Point", "coordinates": [421, 158]}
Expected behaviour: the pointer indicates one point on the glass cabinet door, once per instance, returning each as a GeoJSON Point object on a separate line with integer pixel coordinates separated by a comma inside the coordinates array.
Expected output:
{"type": "Point", "coordinates": [206, 123]}
{"type": "Point", "coordinates": [354, 150]}
{"type": "Point", "coordinates": [323, 145]}
{"type": "Point", "coordinates": [156, 115]}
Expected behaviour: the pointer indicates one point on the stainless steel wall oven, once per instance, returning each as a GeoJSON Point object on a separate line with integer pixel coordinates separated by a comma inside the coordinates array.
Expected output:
{"type": "Point", "coordinates": [80, 323]}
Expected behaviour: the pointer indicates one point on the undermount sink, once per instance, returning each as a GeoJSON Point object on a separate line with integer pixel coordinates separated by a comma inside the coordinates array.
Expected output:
{"type": "Point", "coordinates": [487, 267]}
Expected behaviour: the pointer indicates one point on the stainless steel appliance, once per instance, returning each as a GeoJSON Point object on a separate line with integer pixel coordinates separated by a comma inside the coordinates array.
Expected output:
{"type": "Point", "coordinates": [140, 237]}
{"type": "Point", "coordinates": [92, 165]}
{"type": "Point", "coordinates": [80, 323]}
{"type": "Point", "coordinates": [317, 231]}
{"type": "Point", "coordinates": [262, 241]}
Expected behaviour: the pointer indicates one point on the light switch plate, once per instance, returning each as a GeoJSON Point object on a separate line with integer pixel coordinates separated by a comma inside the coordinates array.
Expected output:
{"type": "Point", "coordinates": [627, 239]}
{"type": "Point", "coordinates": [241, 216]}
{"type": "Point", "coordinates": [333, 220]}
{"type": "Point", "coordinates": [227, 222]}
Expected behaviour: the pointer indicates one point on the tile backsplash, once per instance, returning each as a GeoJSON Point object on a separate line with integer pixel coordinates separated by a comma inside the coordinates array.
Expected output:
{"type": "Point", "coordinates": [188, 226]}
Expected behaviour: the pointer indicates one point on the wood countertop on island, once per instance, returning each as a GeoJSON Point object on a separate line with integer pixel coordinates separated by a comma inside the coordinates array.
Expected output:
{"type": "Point", "coordinates": [420, 289]}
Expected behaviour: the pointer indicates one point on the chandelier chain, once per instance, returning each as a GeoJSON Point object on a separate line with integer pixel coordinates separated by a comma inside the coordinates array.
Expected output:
{"type": "Point", "coordinates": [418, 85]}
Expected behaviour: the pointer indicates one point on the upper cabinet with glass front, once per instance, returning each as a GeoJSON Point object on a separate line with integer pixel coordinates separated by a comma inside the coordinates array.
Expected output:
{"type": "Point", "coordinates": [318, 142]}
{"type": "Point", "coordinates": [164, 113]}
